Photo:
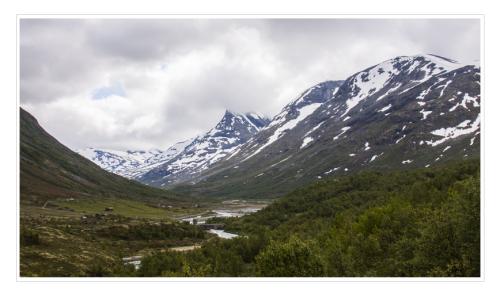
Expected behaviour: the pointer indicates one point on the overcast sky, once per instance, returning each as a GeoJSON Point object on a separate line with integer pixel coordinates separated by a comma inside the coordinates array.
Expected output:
{"type": "Point", "coordinates": [141, 84]}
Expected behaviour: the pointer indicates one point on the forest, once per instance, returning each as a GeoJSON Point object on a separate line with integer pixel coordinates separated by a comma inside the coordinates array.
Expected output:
{"type": "Point", "coordinates": [414, 223]}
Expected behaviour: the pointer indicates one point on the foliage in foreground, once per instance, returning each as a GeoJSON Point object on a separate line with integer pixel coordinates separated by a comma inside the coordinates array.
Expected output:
{"type": "Point", "coordinates": [417, 223]}
{"type": "Point", "coordinates": [64, 246]}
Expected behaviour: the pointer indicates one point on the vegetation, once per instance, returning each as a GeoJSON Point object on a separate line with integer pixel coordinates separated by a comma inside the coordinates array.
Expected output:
{"type": "Point", "coordinates": [291, 258]}
{"type": "Point", "coordinates": [409, 223]}
{"type": "Point", "coordinates": [95, 245]}
{"type": "Point", "coordinates": [29, 237]}
{"type": "Point", "coordinates": [79, 220]}
{"type": "Point", "coordinates": [51, 170]}
{"type": "Point", "coordinates": [422, 222]}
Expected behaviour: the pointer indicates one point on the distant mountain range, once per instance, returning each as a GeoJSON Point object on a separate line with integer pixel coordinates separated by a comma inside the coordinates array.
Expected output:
{"type": "Point", "coordinates": [183, 160]}
{"type": "Point", "coordinates": [223, 140]}
{"type": "Point", "coordinates": [132, 163]}
{"type": "Point", "coordinates": [406, 112]}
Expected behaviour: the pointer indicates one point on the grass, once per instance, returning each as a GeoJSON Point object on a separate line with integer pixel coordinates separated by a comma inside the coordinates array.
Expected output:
{"type": "Point", "coordinates": [122, 207]}
{"type": "Point", "coordinates": [71, 245]}
{"type": "Point", "coordinates": [62, 254]}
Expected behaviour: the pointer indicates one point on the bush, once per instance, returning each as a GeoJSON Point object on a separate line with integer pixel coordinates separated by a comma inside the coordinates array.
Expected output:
{"type": "Point", "coordinates": [294, 258]}
{"type": "Point", "coordinates": [29, 237]}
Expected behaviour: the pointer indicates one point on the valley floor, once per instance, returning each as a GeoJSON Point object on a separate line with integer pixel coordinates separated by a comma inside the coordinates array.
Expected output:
{"type": "Point", "coordinates": [417, 223]}
{"type": "Point", "coordinates": [95, 237]}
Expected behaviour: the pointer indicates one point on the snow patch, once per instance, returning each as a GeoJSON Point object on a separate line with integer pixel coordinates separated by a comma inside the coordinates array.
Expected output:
{"type": "Point", "coordinates": [465, 100]}
{"type": "Point", "coordinates": [343, 129]}
{"type": "Point", "coordinates": [280, 161]}
{"type": "Point", "coordinates": [306, 142]}
{"type": "Point", "coordinates": [314, 129]}
{"type": "Point", "coordinates": [331, 170]}
{"type": "Point", "coordinates": [389, 91]}
{"type": "Point", "coordinates": [398, 140]}
{"type": "Point", "coordinates": [304, 112]}
{"type": "Point", "coordinates": [448, 133]}
{"type": "Point", "coordinates": [385, 108]}
{"type": "Point", "coordinates": [425, 114]}
{"type": "Point", "coordinates": [369, 82]}
{"type": "Point", "coordinates": [445, 85]}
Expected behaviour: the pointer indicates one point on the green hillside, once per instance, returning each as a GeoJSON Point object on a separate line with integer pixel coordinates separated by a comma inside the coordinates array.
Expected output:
{"type": "Point", "coordinates": [78, 220]}
{"type": "Point", "coordinates": [50, 170]}
{"type": "Point", "coordinates": [416, 223]}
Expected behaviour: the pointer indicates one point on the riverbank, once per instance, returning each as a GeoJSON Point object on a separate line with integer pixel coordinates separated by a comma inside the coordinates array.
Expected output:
{"type": "Point", "coordinates": [230, 208]}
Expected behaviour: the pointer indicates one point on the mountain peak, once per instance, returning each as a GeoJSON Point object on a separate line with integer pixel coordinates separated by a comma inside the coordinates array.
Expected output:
{"type": "Point", "coordinates": [424, 60]}
{"type": "Point", "coordinates": [230, 113]}
{"type": "Point", "coordinates": [432, 56]}
{"type": "Point", "coordinates": [409, 111]}
{"type": "Point", "coordinates": [232, 130]}
{"type": "Point", "coordinates": [404, 112]}
{"type": "Point", "coordinates": [312, 97]}
{"type": "Point", "coordinates": [247, 122]}
{"type": "Point", "coordinates": [318, 93]}
{"type": "Point", "coordinates": [255, 115]}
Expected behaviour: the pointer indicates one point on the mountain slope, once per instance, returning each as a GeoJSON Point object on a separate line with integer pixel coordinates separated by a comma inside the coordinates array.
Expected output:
{"type": "Point", "coordinates": [224, 139]}
{"type": "Point", "coordinates": [131, 163]}
{"type": "Point", "coordinates": [407, 112]}
{"type": "Point", "coordinates": [49, 169]}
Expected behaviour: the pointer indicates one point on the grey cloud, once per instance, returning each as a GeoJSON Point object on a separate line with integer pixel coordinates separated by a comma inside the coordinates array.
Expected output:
{"type": "Point", "coordinates": [179, 75]}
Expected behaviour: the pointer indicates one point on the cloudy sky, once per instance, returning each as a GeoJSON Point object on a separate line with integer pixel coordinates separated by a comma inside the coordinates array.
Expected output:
{"type": "Point", "coordinates": [148, 83]}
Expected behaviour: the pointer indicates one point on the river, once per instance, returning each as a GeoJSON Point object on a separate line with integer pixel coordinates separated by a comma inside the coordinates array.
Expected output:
{"type": "Point", "coordinates": [223, 234]}
{"type": "Point", "coordinates": [233, 208]}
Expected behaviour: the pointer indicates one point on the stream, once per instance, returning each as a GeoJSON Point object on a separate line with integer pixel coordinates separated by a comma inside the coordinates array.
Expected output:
{"type": "Point", "coordinates": [233, 208]}
{"type": "Point", "coordinates": [222, 234]}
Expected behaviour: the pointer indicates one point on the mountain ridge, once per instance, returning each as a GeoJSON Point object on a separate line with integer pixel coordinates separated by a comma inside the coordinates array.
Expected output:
{"type": "Point", "coordinates": [387, 116]}
{"type": "Point", "coordinates": [49, 170]}
{"type": "Point", "coordinates": [131, 163]}
{"type": "Point", "coordinates": [408, 111]}
{"type": "Point", "coordinates": [230, 132]}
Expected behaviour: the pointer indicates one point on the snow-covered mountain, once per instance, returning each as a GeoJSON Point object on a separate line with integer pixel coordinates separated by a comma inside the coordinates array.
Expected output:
{"type": "Point", "coordinates": [131, 163]}
{"type": "Point", "coordinates": [406, 112]}
{"type": "Point", "coordinates": [367, 89]}
{"type": "Point", "coordinates": [293, 114]}
{"type": "Point", "coordinates": [225, 138]}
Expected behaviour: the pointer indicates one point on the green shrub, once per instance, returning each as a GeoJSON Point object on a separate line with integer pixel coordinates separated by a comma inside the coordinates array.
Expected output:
{"type": "Point", "coordinates": [294, 258]}
{"type": "Point", "coordinates": [29, 237]}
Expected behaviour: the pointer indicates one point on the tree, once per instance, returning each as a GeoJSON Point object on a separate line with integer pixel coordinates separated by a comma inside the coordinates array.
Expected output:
{"type": "Point", "coordinates": [450, 242]}
{"type": "Point", "coordinates": [294, 258]}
